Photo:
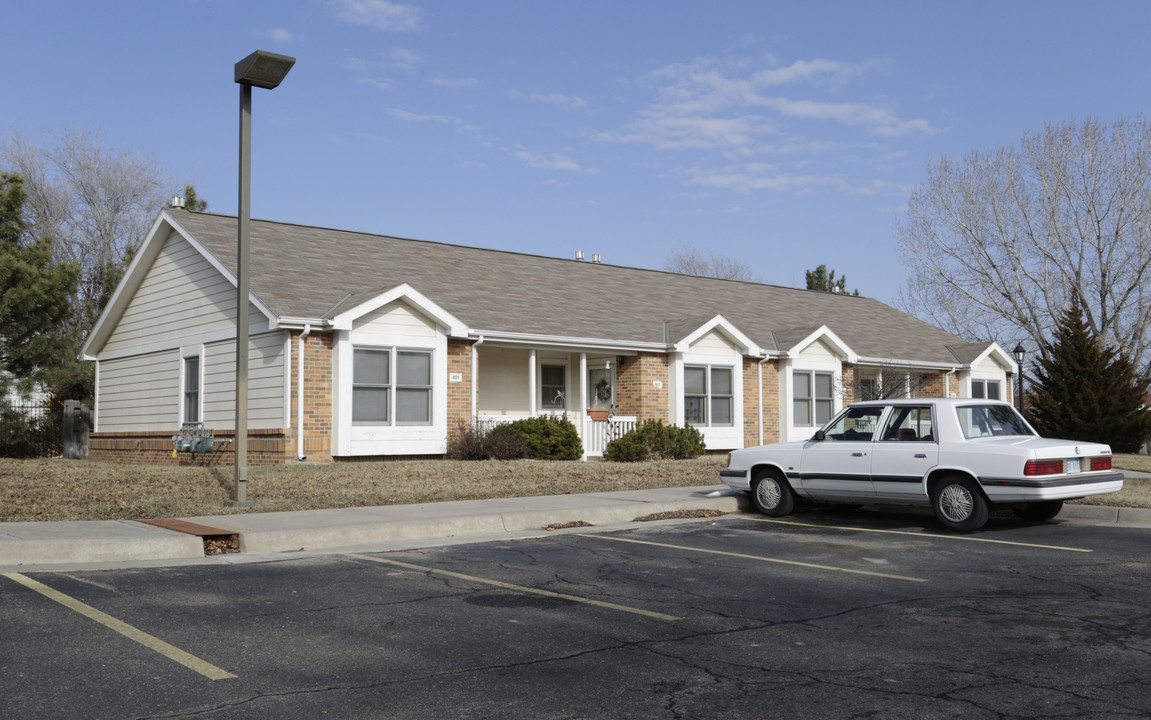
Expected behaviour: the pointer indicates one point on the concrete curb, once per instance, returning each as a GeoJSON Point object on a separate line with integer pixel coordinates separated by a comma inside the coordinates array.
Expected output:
{"type": "Point", "coordinates": [92, 541]}
{"type": "Point", "coordinates": [318, 530]}
{"type": "Point", "coordinates": [1135, 517]}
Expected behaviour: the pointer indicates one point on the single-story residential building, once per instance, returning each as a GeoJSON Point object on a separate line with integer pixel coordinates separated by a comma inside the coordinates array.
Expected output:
{"type": "Point", "coordinates": [369, 346]}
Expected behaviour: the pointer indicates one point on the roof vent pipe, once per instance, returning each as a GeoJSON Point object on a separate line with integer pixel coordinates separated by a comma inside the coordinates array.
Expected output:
{"type": "Point", "coordinates": [595, 258]}
{"type": "Point", "coordinates": [579, 255]}
{"type": "Point", "coordinates": [176, 202]}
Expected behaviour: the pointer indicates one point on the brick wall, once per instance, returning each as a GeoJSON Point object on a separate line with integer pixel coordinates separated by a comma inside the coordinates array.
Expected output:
{"type": "Point", "coordinates": [318, 420]}
{"type": "Point", "coordinates": [757, 417]}
{"type": "Point", "coordinates": [265, 447]}
{"type": "Point", "coordinates": [636, 392]}
{"type": "Point", "coordinates": [459, 393]}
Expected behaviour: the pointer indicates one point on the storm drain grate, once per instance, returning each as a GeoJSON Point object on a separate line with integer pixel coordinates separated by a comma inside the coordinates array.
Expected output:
{"type": "Point", "coordinates": [216, 541]}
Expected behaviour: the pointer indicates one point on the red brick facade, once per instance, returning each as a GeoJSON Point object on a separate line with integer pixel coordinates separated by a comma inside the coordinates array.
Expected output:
{"type": "Point", "coordinates": [642, 384]}
{"type": "Point", "coordinates": [460, 383]}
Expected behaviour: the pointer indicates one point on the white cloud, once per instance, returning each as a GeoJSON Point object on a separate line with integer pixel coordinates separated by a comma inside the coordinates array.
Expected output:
{"type": "Point", "coordinates": [764, 176]}
{"type": "Point", "coordinates": [377, 83]}
{"type": "Point", "coordinates": [405, 59]}
{"type": "Point", "coordinates": [281, 36]}
{"type": "Point", "coordinates": [457, 83]}
{"type": "Point", "coordinates": [558, 99]}
{"type": "Point", "coordinates": [709, 105]}
{"type": "Point", "coordinates": [413, 117]}
{"type": "Point", "coordinates": [380, 14]}
{"type": "Point", "coordinates": [554, 161]}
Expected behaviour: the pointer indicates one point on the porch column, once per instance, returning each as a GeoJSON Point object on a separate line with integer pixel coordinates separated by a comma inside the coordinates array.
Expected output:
{"type": "Point", "coordinates": [475, 380]}
{"type": "Point", "coordinates": [581, 406]}
{"type": "Point", "coordinates": [532, 407]}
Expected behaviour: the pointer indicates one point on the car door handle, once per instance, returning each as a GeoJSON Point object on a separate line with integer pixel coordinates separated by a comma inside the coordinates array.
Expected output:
{"type": "Point", "coordinates": [921, 455]}
{"type": "Point", "coordinates": [858, 454]}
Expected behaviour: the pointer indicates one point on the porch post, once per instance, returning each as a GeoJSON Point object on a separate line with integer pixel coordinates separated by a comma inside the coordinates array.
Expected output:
{"type": "Point", "coordinates": [532, 407]}
{"type": "Point", "coordinates": [581, 406]}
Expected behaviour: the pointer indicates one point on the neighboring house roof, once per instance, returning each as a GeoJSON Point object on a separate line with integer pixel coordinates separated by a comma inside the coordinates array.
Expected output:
{"type": "Point", "coordinates": [314, 274]}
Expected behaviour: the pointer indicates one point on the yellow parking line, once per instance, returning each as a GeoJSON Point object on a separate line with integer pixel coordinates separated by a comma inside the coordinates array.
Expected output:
{"type": "Point", "coordinates": [757, 557]}
{"type": "Point", "coordinates": [519, 588]}
{"type": "Point", "coordinates": [169, 651]}
{"type": "Point", "coordinates": [921, 535]}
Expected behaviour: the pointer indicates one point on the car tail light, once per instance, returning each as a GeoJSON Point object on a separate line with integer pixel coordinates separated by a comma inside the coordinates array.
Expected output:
{"type": "Point", "coordinates": [1043, 467]}
{"type": "Point", "coordinates": [1101, 463]}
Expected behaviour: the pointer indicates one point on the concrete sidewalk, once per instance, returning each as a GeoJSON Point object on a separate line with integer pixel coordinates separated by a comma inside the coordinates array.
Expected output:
{"type": "Point", "coordinates": [50, 545]}
{"type": "Point", "coordinates": [59, 545]}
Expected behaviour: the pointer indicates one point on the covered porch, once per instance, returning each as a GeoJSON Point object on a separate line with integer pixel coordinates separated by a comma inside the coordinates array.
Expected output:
{"type": "Point", "coordinates": [513, 383]}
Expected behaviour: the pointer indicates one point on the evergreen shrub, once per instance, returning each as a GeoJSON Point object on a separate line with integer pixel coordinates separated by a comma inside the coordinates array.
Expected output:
{"type": "Point", "coordinates": [653, 440]}
{"type": "Point", "coordinates": [549, 437]}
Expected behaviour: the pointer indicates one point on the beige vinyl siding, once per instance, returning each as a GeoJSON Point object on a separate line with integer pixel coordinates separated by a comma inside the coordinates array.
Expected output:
{"type": "Point", "coordinates": [395, 318]}
{"type": "Point", "coordinates": [182, 295]}
{"type": "Point", "coordinates": [266, 368]}
{"type": "Point", "coordinates": [819, 351]}
{"type": "Point", "coordinates": [141, 392]}
{"type": "Point", "coordinates": [503, 381]}
{"type": "Point", "coordinates": [714, 343]}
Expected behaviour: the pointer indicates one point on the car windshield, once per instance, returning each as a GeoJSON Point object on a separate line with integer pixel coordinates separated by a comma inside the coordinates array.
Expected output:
{"type": "Point", "coordinates": [991, 421]}
{"type": "Point", "coordinates": [856, 423]}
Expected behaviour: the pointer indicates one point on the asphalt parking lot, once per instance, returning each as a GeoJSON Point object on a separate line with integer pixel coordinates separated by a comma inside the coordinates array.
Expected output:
{"type": "Point", "coordinates": [823, 614]}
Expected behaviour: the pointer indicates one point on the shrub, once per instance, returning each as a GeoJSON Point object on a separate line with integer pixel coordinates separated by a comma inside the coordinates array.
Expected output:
{"type": "Point", "coordinates": [477, 442]}
{"type": "Point", "coordinates": [655, 441]}
{"type": "Point", "coordinates": [549, 437]}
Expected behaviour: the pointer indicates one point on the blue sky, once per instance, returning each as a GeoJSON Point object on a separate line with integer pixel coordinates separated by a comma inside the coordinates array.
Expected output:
{"type": "Point", "coordinates": [786, 134]}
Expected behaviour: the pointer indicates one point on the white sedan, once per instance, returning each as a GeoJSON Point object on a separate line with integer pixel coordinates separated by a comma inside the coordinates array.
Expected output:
{"type": "Point", "coordinates": [961, 457]}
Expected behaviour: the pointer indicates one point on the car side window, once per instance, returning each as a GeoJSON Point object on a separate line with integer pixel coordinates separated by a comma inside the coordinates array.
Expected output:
{"type": "Point", "coordinates": [855, 424]}
{"type": "Point", "coordinates": [909, 424]}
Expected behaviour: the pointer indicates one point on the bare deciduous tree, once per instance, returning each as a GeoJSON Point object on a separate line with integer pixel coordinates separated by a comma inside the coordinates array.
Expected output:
{"type": "Point", "coordinates": [997, 244]}
{"type": "Point", "coordinates": [689, 260]}
{"type": "Point", "coordinates": [96, 203]}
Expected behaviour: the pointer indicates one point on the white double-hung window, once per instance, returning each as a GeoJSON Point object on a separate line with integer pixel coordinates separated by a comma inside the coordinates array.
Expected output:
{"type": "Point", "coordinates": [709, 395]}
{"type": "Point", "coordinates": [813, 400]}
{"type": "Point", "coordinates": [391, 386]}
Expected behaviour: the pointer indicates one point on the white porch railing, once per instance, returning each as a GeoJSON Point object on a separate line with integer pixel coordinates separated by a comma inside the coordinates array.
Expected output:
{"type": "Point", "coordinates": [598, 433]}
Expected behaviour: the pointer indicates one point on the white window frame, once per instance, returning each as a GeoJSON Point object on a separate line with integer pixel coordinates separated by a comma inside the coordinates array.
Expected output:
{"type": "Point", "coordinates": [709, 396]}
{"type": "Point", "coordinates": [982, 384]}
{"type": "Point", "coordinates": [814, 399]}
{"type": "Point", "coordinates": [186, 354]}
{"type": "Point", "coordinates": [547, 405]}
{"type": "Point", "coordinates": [394, 388]}
{"type": "Point", "coordinates": [356, 440]}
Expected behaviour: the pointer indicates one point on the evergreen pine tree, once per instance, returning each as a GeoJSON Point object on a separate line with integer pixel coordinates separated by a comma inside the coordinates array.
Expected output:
{"type": "Point", "coordinates": [1084, 390]}
{"type": "Point", "coordinates": [35, 295]}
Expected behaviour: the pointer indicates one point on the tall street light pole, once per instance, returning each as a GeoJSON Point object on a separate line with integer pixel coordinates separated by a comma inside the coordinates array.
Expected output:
{"type": "Point", "coordinates": [266, 70]}
{"type": "Point", "coordinates": [1019, 354]}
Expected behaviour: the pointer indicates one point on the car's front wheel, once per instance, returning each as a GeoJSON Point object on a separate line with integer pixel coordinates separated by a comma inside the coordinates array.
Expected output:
{"type": "Point", "coordinates": [771, 493]}
{"type": "Point", "coordinates": [1039, 511]}
{"type": "Point", "coordinates": [959, 504]}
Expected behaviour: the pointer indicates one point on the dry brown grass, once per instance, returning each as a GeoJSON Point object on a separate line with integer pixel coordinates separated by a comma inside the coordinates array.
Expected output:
{"type": "Point", "coordinates": [38, 490]}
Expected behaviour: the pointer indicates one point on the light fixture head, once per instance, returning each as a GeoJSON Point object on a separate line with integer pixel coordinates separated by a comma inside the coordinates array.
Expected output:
{"type": "Point", "coordinates": [263, 69]}
{"type": "Point", "coordinates": [1019, 352]}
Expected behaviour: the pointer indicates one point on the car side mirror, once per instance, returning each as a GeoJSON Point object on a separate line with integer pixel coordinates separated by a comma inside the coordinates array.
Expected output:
{"type": "Point", "coordinates": [819, 436]}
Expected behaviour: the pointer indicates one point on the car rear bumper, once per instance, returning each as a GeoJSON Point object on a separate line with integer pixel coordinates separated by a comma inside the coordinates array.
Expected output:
{"type": "Point", "coordinates": [1060, 487]}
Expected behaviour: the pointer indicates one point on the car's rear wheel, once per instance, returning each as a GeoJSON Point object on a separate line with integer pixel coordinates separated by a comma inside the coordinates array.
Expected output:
{"type": "Point", "coordinates": [959, 504]}
{"type": "Point", "coordinates": [771, 493]}
{"type": "Point", "coordinates": [1039, 511]}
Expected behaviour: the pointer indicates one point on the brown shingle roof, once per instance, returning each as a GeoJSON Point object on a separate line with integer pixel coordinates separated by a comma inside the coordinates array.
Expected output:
{"type": "Point", "coordinates": [303, 272]}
